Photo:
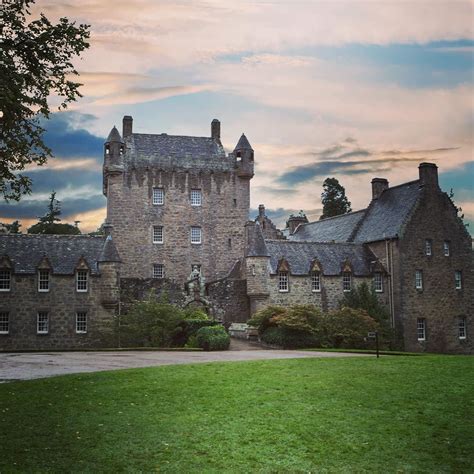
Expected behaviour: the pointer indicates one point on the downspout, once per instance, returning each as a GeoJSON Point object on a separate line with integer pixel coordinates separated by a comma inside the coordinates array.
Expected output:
{"type": "Point", "coordinates": [392, 284]}
{"type": "Point", "coordinates": [389, 258]}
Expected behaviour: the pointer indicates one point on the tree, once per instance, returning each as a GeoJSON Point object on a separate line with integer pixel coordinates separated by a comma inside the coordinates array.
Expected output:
{"type": "Point", "coordinates": [334, 199]}
{"type": "Point", "coordinates": [13, 228]}
{"type": "Point", "coordinates": [35, 62]}
{"type": "Point", "coordinates": [49, 223]}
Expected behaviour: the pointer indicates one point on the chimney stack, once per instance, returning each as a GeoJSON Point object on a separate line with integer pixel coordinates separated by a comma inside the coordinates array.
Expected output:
{"type": "Point", "coordinates": [216, 129]}
{"type": "Point", "coordinates": [261, 211]}
{"type": "Point", "coordinates": [294, 221]}
{"type": "Point", "coordinates": [379, 185]}
{"type": "Point", "coordinates": [127, 126]}
{"type": "Point", "coordinates": [428, 175]}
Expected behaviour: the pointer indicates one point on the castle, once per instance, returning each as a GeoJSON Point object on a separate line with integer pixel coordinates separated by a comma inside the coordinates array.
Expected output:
{"type": "Point", "coordinates": [178, 222]}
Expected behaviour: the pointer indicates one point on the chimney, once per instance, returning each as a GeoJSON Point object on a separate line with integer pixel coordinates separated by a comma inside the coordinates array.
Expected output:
{"type": "Point", "coordinates": [127, 126]}
{"type": "Point", "coordinates": [216, 129]}
{"type": "Point", "coordinates": [379, 185]}
{"type": "Point", "coordinates": [261, 211]}
{"type": "Point", "coordinates": [294, 221]}
{"type": "Point", "coordinates": [428, 175]}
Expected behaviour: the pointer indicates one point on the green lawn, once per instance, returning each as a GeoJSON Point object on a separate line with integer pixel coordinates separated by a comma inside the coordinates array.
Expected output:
{"type": "Point", "coordinates": [395, 414]}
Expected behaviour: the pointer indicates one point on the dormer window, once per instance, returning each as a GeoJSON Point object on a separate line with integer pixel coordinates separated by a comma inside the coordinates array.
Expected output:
{"type": "Point", "coordinates": [43, 280]}
{"type": "Point", "coordinates": [346, 281]}
{"type": "Point", "coordinates": [5, 280]}
{"type": "Point", "coordinates": [315, 281]}
{"type": "Point", "coordinates": [158, 196]}
{"type": "Point", "coordinates": [283, 286]}
{"type": "Point", "coordinates": [428, 247]}
{"type": "Point", "coordinates": [81, 281]}
{"type": "Point", "coordinates": [378, 282]}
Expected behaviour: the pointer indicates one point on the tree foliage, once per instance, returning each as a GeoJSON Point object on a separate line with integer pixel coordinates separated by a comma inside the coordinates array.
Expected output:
{"type": "Point", "coordinates": [334, 199]}
{"type": "Point", "coordinates": [35, 63]}
{"type": "Point", "coordinates": [13, 228]}
{"type": "Point", "coordinates": [49, 223]}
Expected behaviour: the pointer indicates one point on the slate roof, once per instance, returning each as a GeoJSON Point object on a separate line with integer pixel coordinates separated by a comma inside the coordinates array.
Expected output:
{"type": "Point", "coordinates": [255, 242]}
{"type": "Point", "coordinates": [337, 229]}
{"type": "Point", "coordinates": [384, 218]}
{"type": "Point", "coordinates": [300, 256]}
{"type": "Point", "coordinates": [114, 136]}
{"type": "Point", "coordinates": [387, 215]}
{"type": "Point", "coordinates": [63, 251]}
{"type": "Point", "coordinates": [243, 143]}
{"type": "Point", "coordinates": [175, 151]}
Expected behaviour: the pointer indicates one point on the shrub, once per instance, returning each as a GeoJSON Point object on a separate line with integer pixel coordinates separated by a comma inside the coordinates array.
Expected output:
{"type": "Point", "coordinates": [289, 339]}
{"type": "Point", "coordinates": [262, 319]}
{"type": "Point", "coordinates": [189, 327]}
{"type": "Point", "coordinates": [195, 313]}
{"type": "Point", "coordinates": [150, 323]}
{"type": "Point", "coordinates": [348, 328]}
{"type": "Point", "coordinates": [213, 338]}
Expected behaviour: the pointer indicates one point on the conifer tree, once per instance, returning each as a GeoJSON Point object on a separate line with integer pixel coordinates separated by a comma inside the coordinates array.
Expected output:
{"type": "Point", "coordinates": [334, 199]}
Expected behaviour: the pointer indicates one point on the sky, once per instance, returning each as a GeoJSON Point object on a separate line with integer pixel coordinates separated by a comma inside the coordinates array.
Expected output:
{"type": "Point", "coordinates": [345, 89]}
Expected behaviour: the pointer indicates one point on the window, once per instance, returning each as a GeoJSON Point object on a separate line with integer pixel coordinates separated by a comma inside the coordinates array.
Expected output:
{"type": "Point", "coordinates": [43, 280]}
{"type": "Point", "coordinates": [195, 235]}
{"type": "Point", "coordinates": [428, 247]}
{"type": "Point", "coordinates": [42, 322]}
{"type": "Point", "coordinates": [458, 280]}
{"type": "Point", "coordinates": [419, 280]}
{"type": "Point", "coordinates": [446, 248]}
{"type": "Point", "coordinates": [421, 329]}
{"type": "Point", "coordinates": [4, 280]}
{"type": "Point", "coordinates": [158, 270]}
{"type": "Point", "coordinates": [283, 282]}
{"type": "Point", "coordinates": [462, 328]}
{"type": "Point", "coordinates": [81, 322]}
{"type": "Point", "coordinates": [378, 282]}
{"type": "Point", "coordinates": [157, 234]}
{"type": "Point", "coordinates": [4, 322]}
{"type": "Point", "coordinates": [196, 197]}
{"type": "Point", "coordinates": [346, 281]}
{"type": "Point", "coordinates": [315, 281]}
{"type": "Point", "coordinates": [81, 280]}
{"type": "Point", "coordinates": [158, 196]}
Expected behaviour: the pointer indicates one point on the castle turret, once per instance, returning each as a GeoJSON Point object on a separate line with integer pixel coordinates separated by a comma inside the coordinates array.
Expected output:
{"type": "Point", "coordinates": [114, 148]}
{"type": "Point", "coordinates": [243, 153]}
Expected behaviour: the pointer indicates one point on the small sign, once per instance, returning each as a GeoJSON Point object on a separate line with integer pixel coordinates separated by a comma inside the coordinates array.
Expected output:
{"type": "Point", "coordinates": [371, 335]}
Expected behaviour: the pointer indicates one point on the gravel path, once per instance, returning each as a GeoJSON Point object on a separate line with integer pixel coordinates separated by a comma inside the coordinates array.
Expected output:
{"type": "Point", "coordinates": [33, 365]}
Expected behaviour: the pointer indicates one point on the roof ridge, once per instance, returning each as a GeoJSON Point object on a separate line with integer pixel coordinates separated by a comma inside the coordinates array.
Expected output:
{"type": "Point", "coordinates": [402, 184]}
{"type": "Point", "coordinates": [164, 134]}
{"type": "Point", "coordinates": [333, 217]}
{"type": "Point", "coordinates": [312, 242]}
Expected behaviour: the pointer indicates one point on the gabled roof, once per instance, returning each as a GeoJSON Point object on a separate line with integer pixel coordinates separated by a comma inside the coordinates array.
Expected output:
{"type": "Point", "coordinates": [64, 252]}
{"type": "Point", "coordinates": [387, 215]}
{"type": "Point", "coordinates": [174, 150]}
{"type": "Point", "coordinates": [332, 229]}
{"type": "Point", "coordinates": [300, 256]}
{"type": "Point", "coordinates": [255, 242]}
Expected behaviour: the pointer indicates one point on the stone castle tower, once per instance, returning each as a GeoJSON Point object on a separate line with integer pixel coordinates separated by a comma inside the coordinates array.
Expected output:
{"type": "Point", "coordinates": [176, 201]}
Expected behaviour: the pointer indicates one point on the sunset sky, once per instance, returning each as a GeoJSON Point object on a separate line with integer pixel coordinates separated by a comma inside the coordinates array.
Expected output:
{"type": "Point", "coordinates": [347, 89]}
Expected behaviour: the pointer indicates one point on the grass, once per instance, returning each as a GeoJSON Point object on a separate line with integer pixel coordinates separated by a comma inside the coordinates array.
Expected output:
{"type": "Point", "coordinates": [394, 414]}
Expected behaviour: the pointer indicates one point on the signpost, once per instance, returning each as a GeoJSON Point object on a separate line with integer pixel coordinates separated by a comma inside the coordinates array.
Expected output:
{"type": "Point", "coordinates": [374, 335]}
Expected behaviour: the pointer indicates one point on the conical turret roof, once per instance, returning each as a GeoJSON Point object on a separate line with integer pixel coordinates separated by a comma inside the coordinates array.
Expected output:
{"type": "Point", "coordinates": [114, 136]}
{"type": "Point", "coordinates": [243, 144]}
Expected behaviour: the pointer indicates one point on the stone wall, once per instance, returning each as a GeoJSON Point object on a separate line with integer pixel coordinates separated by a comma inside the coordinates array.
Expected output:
{"type": "Point", "coordinates": [229, 300]}
{"type": "Point", "coordinates": [61, 302]}
{"type": "Point", "coordinates": [439, 303]}
{"type": "Point", "coordinates": [222, 216]}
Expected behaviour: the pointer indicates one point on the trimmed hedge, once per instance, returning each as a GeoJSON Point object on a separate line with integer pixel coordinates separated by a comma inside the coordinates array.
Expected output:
{"type": "Point", "coordinates": [189, 328]}
{"type": "Point", "coordinates": [213, 338]}
{"type": "Point", "coordinates": [288, 339]}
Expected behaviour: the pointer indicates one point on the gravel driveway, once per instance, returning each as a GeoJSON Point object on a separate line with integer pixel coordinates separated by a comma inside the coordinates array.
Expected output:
{"type": "Point", "coordinates": [33, 365]}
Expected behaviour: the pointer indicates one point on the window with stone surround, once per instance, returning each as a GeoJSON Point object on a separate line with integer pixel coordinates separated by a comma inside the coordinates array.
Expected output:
{"type": "Point", "coordinates": [378, 282]}
{"type": "Point", "coordinates": [158, 271]}
{"type": "Point", "coordinates": [283, 285]}
{"type": "Point", "coordinates": [196, 235]}
{"type": "Point", "coordinates": [4, 322]}
{"type": "Point", "coordinates": [42, 322]}
{"type": "Point", "coordinates": [421, 329]}
{"type": "Point", "coordinates": [419, 279]}
{"type": "Point", "coordinates": [428, 247]}
{"type": "Point", "coordinates": [158, 196]}
{"type": "Point", "coordinates": [81, 322]}
{"type": "Point", "coordinates": [447, 248]}
{"type": "Point", "coordinates": [315, 281]}
{"type": "Point", "coordinates": [462, 332]}
{"type": "Point", "coordinates": [346, 281]}
{"type": "Point", "coordinates": [157, 234]}
{"type": "Point", "coordinates": [458, 280]}
{"type": "Point", "coordinates": [82, 277]}
{"type": "Point", "coordinates": [196, 197]}
{"type": "Point", "coordinates": [5, 280]}
{"type": "Point", "coordinates": [43, 281]}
